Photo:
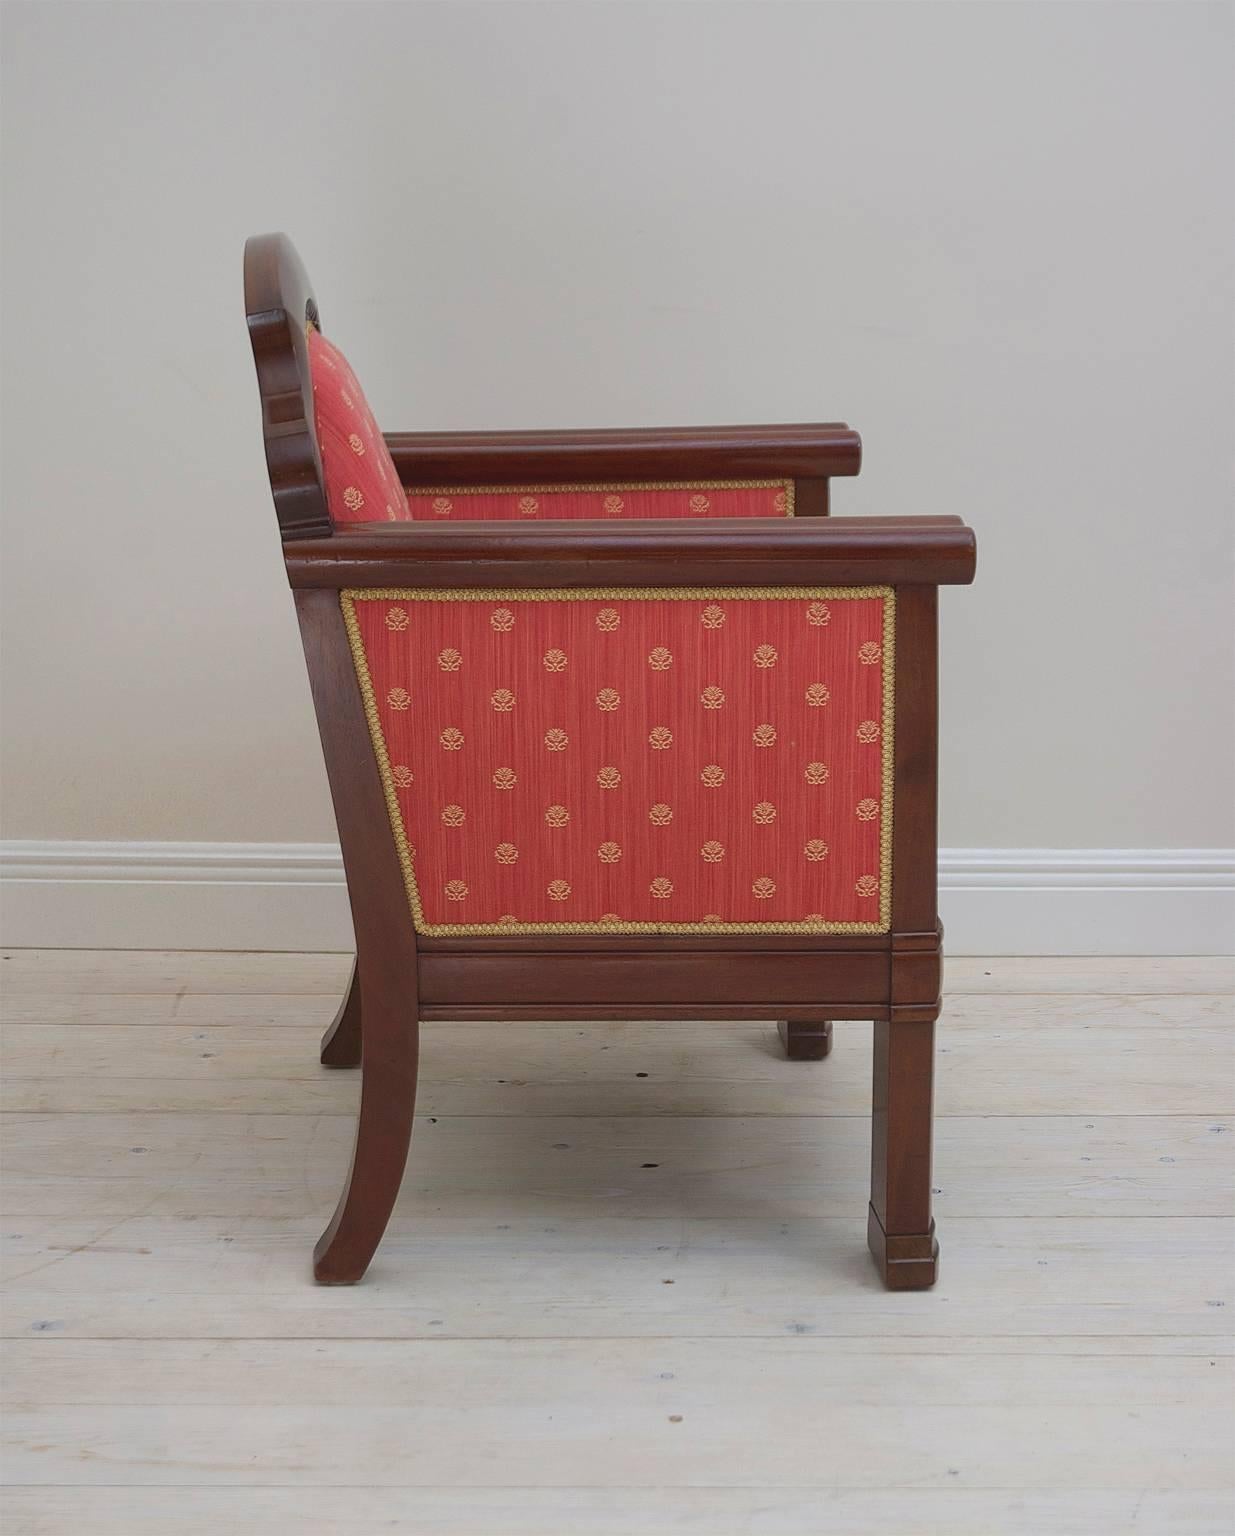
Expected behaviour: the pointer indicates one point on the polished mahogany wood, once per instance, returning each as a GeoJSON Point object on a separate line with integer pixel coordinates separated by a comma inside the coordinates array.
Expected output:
{"type": "Point", "coordinates": [279, 304]}
{"type": "Point", "coordinates": [463, 459]}
{"type": "Point", "coordinates": [806, 1039]}
{"type": "Point", "coordinates": [802, 982]}
{"type": "Point", "coordinates": [341, 1043]}
{"type": "Point", "coordinates": [385, 950]}
{"type": "Point", "coordinates": [752, 984]}
{"type": "Point", "coordinates": [739, 551]}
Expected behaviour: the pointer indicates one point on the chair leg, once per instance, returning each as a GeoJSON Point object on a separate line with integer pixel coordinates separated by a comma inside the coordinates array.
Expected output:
{"type": "Point", "coordinates": [900, 1229]}
{"type": "Point", "coordinates": [383, 1133]}
{"type": "Point", "coordinates": [809, 1040]}
{"type": "Point", "coordinates": [341, 1042]}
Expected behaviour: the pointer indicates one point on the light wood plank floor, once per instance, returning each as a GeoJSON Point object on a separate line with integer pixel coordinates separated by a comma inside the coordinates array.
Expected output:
{"type": "Point", "coordinates": [611, 1303]}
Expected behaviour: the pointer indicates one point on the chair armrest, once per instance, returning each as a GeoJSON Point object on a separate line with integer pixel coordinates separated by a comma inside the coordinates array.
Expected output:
{"type": "Point", "coordinates": [739, 551]}
{"type": "Point", "coordinates": [625, 454]}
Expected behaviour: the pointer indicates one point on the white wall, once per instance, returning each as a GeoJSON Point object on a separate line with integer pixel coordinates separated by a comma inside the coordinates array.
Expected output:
{"type": "Point", "coordinates": [998, 239]}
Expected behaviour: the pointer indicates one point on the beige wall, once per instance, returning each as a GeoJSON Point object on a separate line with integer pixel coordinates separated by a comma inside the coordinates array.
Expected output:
{"type": "Point", "coordinates": [998, 239]}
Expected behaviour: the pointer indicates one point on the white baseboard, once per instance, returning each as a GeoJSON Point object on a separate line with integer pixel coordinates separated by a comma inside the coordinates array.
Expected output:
{"type": "Point", "coordinates": [994, 901]}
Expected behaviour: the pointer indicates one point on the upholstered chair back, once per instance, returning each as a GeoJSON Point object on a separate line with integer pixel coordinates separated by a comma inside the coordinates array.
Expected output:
{"type": "Point", "coordinates": [362, 485]}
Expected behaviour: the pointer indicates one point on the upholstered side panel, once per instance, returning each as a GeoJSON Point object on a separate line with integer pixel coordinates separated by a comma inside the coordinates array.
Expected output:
{"type": "Point", "coordinates": [712, 498]}
{"type": "Point", "coordinates": [662, 760]}
{"type": "Point", "coordinates": [362, 484]}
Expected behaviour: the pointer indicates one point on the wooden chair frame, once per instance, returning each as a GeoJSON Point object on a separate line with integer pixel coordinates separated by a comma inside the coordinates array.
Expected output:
{"type": "Point", "coordinates": [802, 983]}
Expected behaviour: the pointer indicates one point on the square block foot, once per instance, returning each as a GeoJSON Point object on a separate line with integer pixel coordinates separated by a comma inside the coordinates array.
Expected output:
{"type": "Point", "coordinates": [906, 1263]}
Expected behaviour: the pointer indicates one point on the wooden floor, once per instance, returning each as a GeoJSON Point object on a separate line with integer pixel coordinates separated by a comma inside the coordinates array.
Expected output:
{"type": "Point", "coordinates": [626, 1289]}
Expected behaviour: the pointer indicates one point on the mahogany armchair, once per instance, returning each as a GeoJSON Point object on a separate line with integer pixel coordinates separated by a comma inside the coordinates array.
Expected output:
{"type": "Point", "coordinates": [618, 725]}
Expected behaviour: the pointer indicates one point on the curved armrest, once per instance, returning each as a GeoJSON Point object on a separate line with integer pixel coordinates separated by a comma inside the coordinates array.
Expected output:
{"type": "Point", "coordinates": [638, 453]}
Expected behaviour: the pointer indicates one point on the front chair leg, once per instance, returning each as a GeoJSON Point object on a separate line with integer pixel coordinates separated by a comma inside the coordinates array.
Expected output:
{"type": "Point", "coordinates": [341, 1042]}
{"type": "Point", "coordinates": [806, 1040]}
{"type": "Point", "coordinates": [900, 1229]}
{"type": "Point", "coordinates": [383, 1133]}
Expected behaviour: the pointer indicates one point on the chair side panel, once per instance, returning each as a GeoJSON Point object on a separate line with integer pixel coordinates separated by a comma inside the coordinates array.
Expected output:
{"type": "Point", "coordinates": [662, 760]}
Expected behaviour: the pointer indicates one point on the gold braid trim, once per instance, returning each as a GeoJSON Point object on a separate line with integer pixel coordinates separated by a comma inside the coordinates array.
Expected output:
{"type": "Point", "coordinates": [617, 485]}
{"type": "Point", "coordinates": [350, 596]}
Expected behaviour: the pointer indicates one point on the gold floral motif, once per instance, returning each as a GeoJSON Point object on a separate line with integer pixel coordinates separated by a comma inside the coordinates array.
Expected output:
{"type": "Point", "coordinates": [712, 697]}
{"type": "Point", "coordinates": [609, 918]}
{"type": "Point", "coordinates": [765, 656]}
{"type": "Point", "coordinates": [764, 814]}
{"type": "Point", "coordinates": [608, 853]}
{"type": "Point", "coordinates": [764, 888]}
{"type": "Point", "coordinates": [508, 919]}
{"type": "Point", "coordinates": [711, 917]}
{"type": "Point", "coordinates": [712, 617]}
{"type": "Point", "coordinates": [816, 773]}
{"type": "Point", "coordinates": [505, 778]}
{"type": "Point", "coordinates": [817, 695]}
{"type": "Point", "coordinates": [764, 736]}
{"type": "Point", "coordinates": [607, 620]}
{"type": "Point", "coordinates": [352, 499]}
{"type": "Point", "coordinates": [818, 614]}
{"type": "Point", "coordinates": [614, 506]}
{"type": "Point", "coordinates": [712, 852]}
{"type": "Point", "coordinates": [502, 700]}
{"type": "Point", "coordinates": [867, 809]}
{"type": "Point", "coordinates": [399, 698]}
{"type": "Point", "coordinates": [780, 502]}
{"type": "Point", "coordinates": [456, 890]}
{"type": "Point", "coordinates": [660, 737]}
{"type": "Point", "coordinates": [868, 731]}
{"type": "Point", "coordinates": [816, 850]}
{"type": "Point", "coordinates": [699, 505]}
{"type": "Point", "coordinates": [608, 778]}
{"type": "Point", "coordinates": [867, 885]}
{"type": "Point", "coordinates": [608, 699]}
{"type": "Point", "coordinates": [528, 506]}
{"type": "Point", "coordinates": [661, 888]}
{"type": "Point", "coordinates": [451, 738]}
{"type": "Point", "coordinates": [453, 815]}
{"type": "Point", "coordinates": [557, 815]}
{"type": "Point", "coordinates": [869, 652]}
{"type": "Point", "coordinates": [661, 814]}
{"type": "Point", "coordinates": [660, 659]}
{"type": "Point", "coordinates": [351, 602]}
{"type": "Point", "coordinates": [402, 775]}
{"type": "Point", "coordinates": [556, 740]}
{"type": "Point", "coordinates": [356, 443]}
{"type": "Point", "coordinates": [814, 917]}
{"type": "Point", "coordinates": [713, 775]}
{"type": "Point", "coordinates": [554, 660]}
{"type": "Point", "coordinates": [397, 618]}
{"type": "Point", "coordinates": [506, 853]}
{"type": "Point", "coordinates": [502, 620]}
{"type": "Point", "coordinates": [449, 660]}
{"type": "Point", "coordinates": [442, 506]}
{"type": "Point", "coordinates": [558, 890]}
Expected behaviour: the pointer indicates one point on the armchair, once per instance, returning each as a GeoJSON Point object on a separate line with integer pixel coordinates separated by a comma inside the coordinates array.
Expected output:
{"type": "Point", "coordinates": [618, 725]}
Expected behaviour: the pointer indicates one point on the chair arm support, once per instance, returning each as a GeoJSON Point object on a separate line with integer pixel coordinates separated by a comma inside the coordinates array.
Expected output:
{"type": "Point", "coordinates": [745, 551]}
{"type": "Point", "coordinates": [458, 459]}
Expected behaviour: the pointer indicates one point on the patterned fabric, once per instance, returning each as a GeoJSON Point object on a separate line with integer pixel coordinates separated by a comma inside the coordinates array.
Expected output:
{"type": "Point", "coordinates": [362, 484]}
{"type": "Point", "coordinates": [635, 761]}
{"type": "Point", "coordinates": [729, 498]}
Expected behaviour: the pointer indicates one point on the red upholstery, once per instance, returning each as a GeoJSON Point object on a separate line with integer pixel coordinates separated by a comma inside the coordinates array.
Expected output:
{"type": "Point", "coordinates": [732, 498]}
{"type": "Point", "coordinates": [666, 760]}
{"type": "Point", "coordinates": [362, 484]}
